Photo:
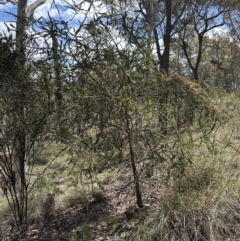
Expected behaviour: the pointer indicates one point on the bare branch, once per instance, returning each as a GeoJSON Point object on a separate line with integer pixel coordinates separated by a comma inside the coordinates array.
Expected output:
{"type": "Point", "coordinates": [30, 9]}
{"type": "Point", "coordinates": [233, 27]}
{"type": "Point", "coordinates": [4, 2]}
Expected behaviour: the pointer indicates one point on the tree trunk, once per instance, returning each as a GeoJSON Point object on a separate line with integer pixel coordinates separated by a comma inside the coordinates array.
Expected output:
{"type": "Point", "coordinates": [166, 38]}
{"type": "Point", "coordinates": [20, 191]}
{"type": "Point", "coordinates": [20, 31]}
{"type": "Point", "coordinates": [133, 159]}
{"type": "Point", "coordinates": [56, 61]}
{"type": "Point", "coordinates": [160, 59]}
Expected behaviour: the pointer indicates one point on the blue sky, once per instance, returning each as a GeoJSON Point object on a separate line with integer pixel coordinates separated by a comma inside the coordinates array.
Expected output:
{"type": "Point", "coordinates": [55, 8]}
{"type": "Point", "coordinates": [6, 16]}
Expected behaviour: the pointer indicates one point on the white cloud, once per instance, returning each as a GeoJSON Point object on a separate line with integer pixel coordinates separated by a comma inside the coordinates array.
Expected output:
{"type": "Point", "coordinates": [5, 6]}
{"type": "Point", "coordinates": [218, 31]}
{"type": "Point", "coordinates": [59, 9]}
{"type": "Point", "coordinates": [46, 9]}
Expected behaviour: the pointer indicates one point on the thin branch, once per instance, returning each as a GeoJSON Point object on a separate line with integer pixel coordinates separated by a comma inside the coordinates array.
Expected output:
{"type": "Point", "coordinates": [31, 8]}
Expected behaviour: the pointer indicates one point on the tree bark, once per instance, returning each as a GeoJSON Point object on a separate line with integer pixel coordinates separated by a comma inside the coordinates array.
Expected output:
{"type": "Point", "coordinates": [133, 159]}
{"type": "Point", "coordinates": [167, 37]}
{"type": "Point", "coordinates": [20, 149]}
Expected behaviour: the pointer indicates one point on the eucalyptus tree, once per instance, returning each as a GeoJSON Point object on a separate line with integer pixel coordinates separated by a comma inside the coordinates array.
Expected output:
{"type": "Point", "coordinates": [23, 120]}
{"type": "Point", "coordinates": [224, 54]}
{"type": "Point", "coordinates": [56, 44]}
{"type": "Point", "coordinates": [234, 23]}
{"type": "Point", "coordinates": [200, 18]}
{"type": "Point", "coordinates": [149, 24]}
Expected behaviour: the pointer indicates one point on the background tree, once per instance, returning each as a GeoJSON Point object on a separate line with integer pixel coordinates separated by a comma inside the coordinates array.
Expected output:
{"type": "Point", "coordinates": [198, 20]}
{"type": "Point", "coordinates": [18, 132]}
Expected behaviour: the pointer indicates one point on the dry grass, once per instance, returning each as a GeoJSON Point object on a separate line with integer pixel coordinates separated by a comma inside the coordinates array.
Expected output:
{"type": "Point", "coordinates": [74, 197]}
{"type": "Point", "coordinates": [5, 219]}
{"type": "Point", "coordinates": [218, 222]}
{"type": "Point", "coordinates": [202, 197]}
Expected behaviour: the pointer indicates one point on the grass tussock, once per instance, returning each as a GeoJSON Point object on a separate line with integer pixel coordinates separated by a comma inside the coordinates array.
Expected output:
{"type": "Point", "coordinates": [42, 206]}
{"type": "Point", "coordinates": [75, 197]}
{"type": "Point", "coordinates": [6, 220]}
{"type": "Point", "coordinates": [218, 222]}
{"type": "Point", "coordinates": [203, 198]}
